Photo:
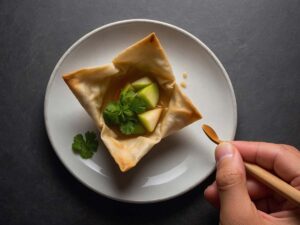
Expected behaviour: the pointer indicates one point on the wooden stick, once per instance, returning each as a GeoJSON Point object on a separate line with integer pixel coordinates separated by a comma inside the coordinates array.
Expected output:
{"type": "Point", "coordinates": [276, 184]}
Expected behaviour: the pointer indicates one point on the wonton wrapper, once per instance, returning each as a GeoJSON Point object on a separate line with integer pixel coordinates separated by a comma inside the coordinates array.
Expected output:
{"type": "Point", "coordinates": [95, 87]}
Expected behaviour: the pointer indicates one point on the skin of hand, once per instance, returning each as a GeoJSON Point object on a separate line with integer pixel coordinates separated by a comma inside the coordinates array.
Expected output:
{"type": "Point", "coordinates": [243, 200]}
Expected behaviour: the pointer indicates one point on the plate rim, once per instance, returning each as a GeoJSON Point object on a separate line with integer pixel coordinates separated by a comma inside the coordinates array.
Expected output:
{"type": "Point", "coordinates": [87, 35]}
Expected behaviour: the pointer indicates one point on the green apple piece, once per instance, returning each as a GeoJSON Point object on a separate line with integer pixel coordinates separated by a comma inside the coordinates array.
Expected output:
{"type": "Point", "coordinates": [127, 87]}
{"type": "Point", "coordinates": [139, 129]}
{"type": "Point", "coordinates": [150, 94]}
{"type": "Point", "coordinates": [141, 83]}
{"type": "Point", "coordinates": [150, 118]}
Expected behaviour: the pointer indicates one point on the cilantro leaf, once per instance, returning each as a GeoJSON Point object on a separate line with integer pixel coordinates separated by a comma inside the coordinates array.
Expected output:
{"type": "Point", "coordinates": [85, 154]}
{"type": "Point", "coordinates": [77, 143]}
{"type": "Point", "coordinates": [138, 105]}
{"type": "Point", "coordinates": [87, 146]}
{"type": "Point", "coordinates": [124, 112]}
{"type": "Point", "coordinates": [127, 111]}
{"type": "Point", "coordinates": [127, 128]}
{"type": "Point", "coordinates": [112, 112]}
{"type": "Point", "coordinates": [91, 141]}
{"type": "Point", "coordinates": [127, 96]}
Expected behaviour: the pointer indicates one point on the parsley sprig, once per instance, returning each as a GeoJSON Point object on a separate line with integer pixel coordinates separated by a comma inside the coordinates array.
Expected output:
{"type": "Point", "coordinates": [124, 112]}
{"type": "Point", "coordinates": [87, 146]}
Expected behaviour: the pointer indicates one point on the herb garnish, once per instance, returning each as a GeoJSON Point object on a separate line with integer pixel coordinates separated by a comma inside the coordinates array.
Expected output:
{"type": "Point", "coordinates": [124, 112]}
{"type": "Point", "coordinates": [87, 146]}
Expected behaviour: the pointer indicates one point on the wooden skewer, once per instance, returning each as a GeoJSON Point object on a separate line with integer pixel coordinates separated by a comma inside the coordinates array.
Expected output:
{"type": "Point", "coordinates": [273, 182]}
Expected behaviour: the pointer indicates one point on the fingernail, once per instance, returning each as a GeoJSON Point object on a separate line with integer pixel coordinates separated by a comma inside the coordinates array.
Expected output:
{"type": "Point", "coordinates": [223, 150]}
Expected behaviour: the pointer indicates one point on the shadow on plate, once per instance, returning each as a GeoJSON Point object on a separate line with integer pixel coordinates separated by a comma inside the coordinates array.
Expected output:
{"type": "Point", "coordinates": [166, 149]}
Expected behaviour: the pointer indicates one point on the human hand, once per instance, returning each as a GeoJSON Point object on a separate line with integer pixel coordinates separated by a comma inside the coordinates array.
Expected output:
{"type": "Point", "coordinates": [244, 201]}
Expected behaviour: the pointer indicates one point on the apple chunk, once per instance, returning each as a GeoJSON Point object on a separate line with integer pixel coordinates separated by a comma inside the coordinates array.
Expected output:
{"type": "Point", "coordinates": [150, 94]}
{"type": "Point", "coordinates": [128, 87]}
{"type": "Point", "coordinates": [150, 118]}
{"type": "Point", "coordinates": [141, 83]}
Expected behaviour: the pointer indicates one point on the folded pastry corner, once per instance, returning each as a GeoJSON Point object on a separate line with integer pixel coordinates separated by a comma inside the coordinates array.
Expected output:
{"type": "Point", "coordinates": [95, 87]}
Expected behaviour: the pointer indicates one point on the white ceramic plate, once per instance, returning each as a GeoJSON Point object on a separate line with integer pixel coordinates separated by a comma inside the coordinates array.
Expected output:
{"type": "Point", "coordinates": [180, 161]}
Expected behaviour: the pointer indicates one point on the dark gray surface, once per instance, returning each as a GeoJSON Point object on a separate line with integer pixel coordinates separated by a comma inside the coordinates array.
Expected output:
{"type": "Point", "coordinates": [257, 41]}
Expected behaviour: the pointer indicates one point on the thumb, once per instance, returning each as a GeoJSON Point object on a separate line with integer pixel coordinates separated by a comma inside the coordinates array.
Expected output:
{"type": "Point", "coordinates": [235, 204]}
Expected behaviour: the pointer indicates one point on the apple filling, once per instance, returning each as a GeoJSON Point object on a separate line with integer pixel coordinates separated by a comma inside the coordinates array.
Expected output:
{"type": "Point", "coordinates": [136, 110]}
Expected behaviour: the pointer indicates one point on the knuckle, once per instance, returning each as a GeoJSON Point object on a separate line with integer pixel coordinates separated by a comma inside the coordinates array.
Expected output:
{"type": "Point", "coordinates": [228, 178]}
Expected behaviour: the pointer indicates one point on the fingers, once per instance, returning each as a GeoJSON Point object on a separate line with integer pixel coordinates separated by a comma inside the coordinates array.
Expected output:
{"type": "Point", "coordinates": [283, 159]}
{"type": "Point", "coordinates": [291, 217]}
{"type": "Point", "coordinates": [255, 189]}
{"type": "Point", "coordinates": [263, 198]}
{"type": "Point", "coordinates": [235, 204]}
{"type": "Point", "coordinates": [296, 182]}
{"type": "Point", "coordinates": [211, 194]}
{"type": "Point", "coordinates": [230, 191]}
{"type": "Point", "coordinates": [268, 205]}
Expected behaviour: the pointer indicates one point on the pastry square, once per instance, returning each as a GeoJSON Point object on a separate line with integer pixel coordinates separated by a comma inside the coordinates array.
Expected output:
{"type": "Point", "coordinates": [95, 87]}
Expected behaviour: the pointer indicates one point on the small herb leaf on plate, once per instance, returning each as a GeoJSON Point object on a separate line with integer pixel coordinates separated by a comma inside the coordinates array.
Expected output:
{"type": "Point", "coordinates": [87, 146]}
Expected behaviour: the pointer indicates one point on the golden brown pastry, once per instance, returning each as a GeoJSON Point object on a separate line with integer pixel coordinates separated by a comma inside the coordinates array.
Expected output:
{"type": "Point", "coordinates": [94, 87]}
